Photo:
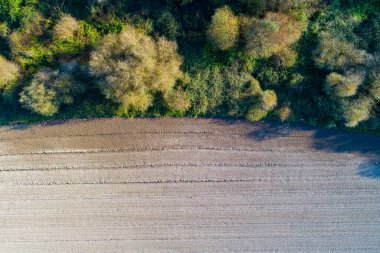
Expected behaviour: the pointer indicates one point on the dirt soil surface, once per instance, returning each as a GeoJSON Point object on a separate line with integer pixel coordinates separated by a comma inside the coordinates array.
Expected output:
{"type": "Point", "coordinates": [187, 185]}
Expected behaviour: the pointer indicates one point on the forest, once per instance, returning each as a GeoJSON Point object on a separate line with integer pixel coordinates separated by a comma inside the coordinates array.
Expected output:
{"type": "Point", "coordinates": [310, 61]}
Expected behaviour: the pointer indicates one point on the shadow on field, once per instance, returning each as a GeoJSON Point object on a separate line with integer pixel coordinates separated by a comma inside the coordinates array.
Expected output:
{"type": "Point", "coordinates": [329, 140]}
{"type": "Point", "coordinates": [370, 169]}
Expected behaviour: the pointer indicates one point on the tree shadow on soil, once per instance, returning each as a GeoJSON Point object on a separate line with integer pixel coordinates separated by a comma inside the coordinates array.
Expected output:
{"type": "Point", "coordinates": [337, 141]}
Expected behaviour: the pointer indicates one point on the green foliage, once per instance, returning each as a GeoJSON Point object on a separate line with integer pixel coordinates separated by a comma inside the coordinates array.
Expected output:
{"type": "Point", "coordinates": [10, 10]}
{"type": "Point", "coordinates": [256, 114]}
{"type": "Point", "coordinates": [4, 30]}
{"type": "Point", "coordinates": [313, 61]}
{"type": "Point", "coordinates": [286, 58]}
{"type": "Point", "coordinates": [168, 25]}
{"type": "Point", "coordinates": [50, 89]}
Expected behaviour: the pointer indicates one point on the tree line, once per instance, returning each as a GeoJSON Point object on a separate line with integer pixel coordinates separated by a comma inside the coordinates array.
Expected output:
{"type": "Point", "coordinates": [314, 61]}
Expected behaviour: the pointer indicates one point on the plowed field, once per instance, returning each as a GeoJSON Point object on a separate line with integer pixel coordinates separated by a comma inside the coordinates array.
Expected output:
{"type": "Point", "coordinates": [187, 185]}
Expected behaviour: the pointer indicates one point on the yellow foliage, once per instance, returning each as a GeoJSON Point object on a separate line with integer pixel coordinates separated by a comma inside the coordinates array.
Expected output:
{"type": "Point", "coordinates": [178, 101]}
{"type": "Point", "coordinates": [223, 32]}
{"type": "Point", "coordinates": [357, 111]}
{"type": "Point", "coordinates": [343, 86]}
{"type": "Point", "coordinates": [131, 65]}
{"type": "Point", "coordinates": [9, 72]}
{"type": "Point", "coordinates": [268, 100]}
{"type": "Point", "coordinates": [270, 35]}
{"type": "Point", "coordinates": [21, 39]}
{"type": "Point", "coordinates": [256, 114]}
{"type": "Point", "coordinates": [284, 113]}
{"type": "Point", "coordinates": [66, 28]}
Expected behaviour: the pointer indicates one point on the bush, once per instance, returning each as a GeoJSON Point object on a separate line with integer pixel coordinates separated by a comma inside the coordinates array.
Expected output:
{"type": "Point", "coordinates": [168, 25]}
{"type": "Point", "coordinates": [284, 113]}
{"type": "Point", "coordinates": [335, 54]}
{"type": "Point", "coordinates": [9, 72]}
{"type": "Point", "coordinates": [356, 111]}
{"type": "Point", "coordinates": [50, 89]}
{"type": "Point", "coordinates": [205, 91]}
{"type": "Point", "coordinates": [265, 37]}
{"type": "Point", "coordinates": [286, 58]}
{"type": "Point", "coordinates": [223, 32]}
{"type": "Point", "coordinates": [375, 87]}
{"type": "Point", "coordinates": [343, 86]}
{"type": "Point", "coordinates": [38, 98]}
{"type": "Point", "coordinates": [67, 28]}
{"type": "Point", "coordinates": [4, 30]}
{"type": "Point", "coordinates": [132, 65]}
{"type": "Point", "coordinates": [177, 101]}
{"type": "Point", "coordinates": [268, 100]}
{"type": "Point", "coordinates": [10, 10]}
{"type": "Point", "coordinates": [256, 114]}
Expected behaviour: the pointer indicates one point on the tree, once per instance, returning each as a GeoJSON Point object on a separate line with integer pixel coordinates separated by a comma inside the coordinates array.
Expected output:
{"type": "Point", "coordinates": [285, 58]}
{"type": "Point", "coordinates": [131, 66]}
{"type": "Point", "coordinates": [265, 37]}
{"type": "Point", "coordinates": [177, 101]}
{"type": "Point", "coordinates": [9, 10]}
{"type": "Point", "coordinates": [356, 111]}
{"type": "Point", "coordinates": [333, 53]}
{"type": "Point", "coordinates": [66, 28]}
{"type": "Point", "coordinates": [268, 100]}
{"type": "Point", "coordinates": [343, 86]}
{"type": "Point", "coordinates": [223, 32]}
{"type": "Point", "coordinates": [375, 87]}
{"type": "Point", "coordinates": [256, 114]}
{"type": "Point", "coordinates": [50, 89]}
{"type": "Point", "coordinates": [9, 72]}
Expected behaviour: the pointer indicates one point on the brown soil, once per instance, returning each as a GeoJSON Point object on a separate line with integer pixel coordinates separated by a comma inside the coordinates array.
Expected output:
{"type": "Point", "coordinates": [187, 185]}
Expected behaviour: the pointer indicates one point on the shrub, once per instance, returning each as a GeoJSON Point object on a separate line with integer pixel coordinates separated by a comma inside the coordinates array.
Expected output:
{"type": "Point", "coordinates": [177, 101]}
{"type": "Point", "coordinates": [254, 87]}
{"type": "Point", "coordinates": [168, 25]}
{"type": "Point", "coordinates": [51, 89]}
{"type": "Point", "coordinates": [10, 10]}
{"type": "Point", "coordinates": [375, 87]}
{"type": "Point", "coordinates": [263, 38]}
{"type": "Point", "coordinates": [205, 91]}
{"type": "Point", "coordinates": [356, 111]}
{"type": "Point", "coordinates": [4, 30]}
{"type": "Point", "coordinates": [26, 36]}
{"type": "Point", "coordinates": [223, 32]}
{"type": "Point", "coordinates": [268, 100]}
{"type": "Point", "coordinates": [343, 86]}
{"type": "Point", "coordinates": [132, 65]}
{"type": "Point", "coordinates": [9, 72]}
{"type": "Point", "coordinates": [335, 54]}
{"type": "Point", "coordinates": [286, 58]}
{"type": "Point", "coordinates": [238, 90]}
{"type": "Point", "coordinates": [38, 98]}
{"type": "Point", "coordinates": [168, 65]}
{"type": "Point", "coordinates": [66, 28]}
{"type": "Point", "coordinates": [256, 114]}
{"type": "Point", "coordinates": [284, 113]}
